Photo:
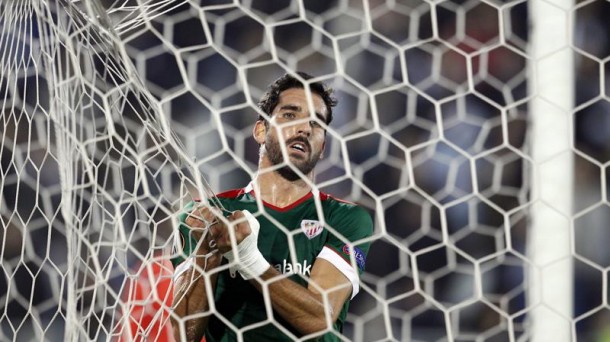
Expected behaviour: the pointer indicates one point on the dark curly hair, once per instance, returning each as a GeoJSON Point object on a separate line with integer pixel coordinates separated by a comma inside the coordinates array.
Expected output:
{"type": "Point", "coordinates": [287, 81]}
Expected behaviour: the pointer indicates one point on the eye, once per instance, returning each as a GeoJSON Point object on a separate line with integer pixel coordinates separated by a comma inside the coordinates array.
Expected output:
{"type": "Point", "coordinates": [288, 115]}
{"type": "Point", "coordinates": [314, 123]}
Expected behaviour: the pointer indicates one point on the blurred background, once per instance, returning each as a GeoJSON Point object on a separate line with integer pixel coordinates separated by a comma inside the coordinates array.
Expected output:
{"type": "Point", "coordinates": [431, 135]}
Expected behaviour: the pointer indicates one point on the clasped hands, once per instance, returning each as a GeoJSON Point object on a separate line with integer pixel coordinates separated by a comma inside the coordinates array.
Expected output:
{"type": "Point", "coordinates": [218, 232]}
{"type": "Point", "coordinates": [210, 224]}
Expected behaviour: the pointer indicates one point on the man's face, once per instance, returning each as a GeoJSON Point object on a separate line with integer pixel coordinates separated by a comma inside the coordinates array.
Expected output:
{"type": "Point", "coordinates": [303, 136]}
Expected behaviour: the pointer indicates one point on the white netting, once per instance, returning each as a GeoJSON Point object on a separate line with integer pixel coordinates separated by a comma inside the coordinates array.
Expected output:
{"type": "Point", "coordinates": [431, 135]}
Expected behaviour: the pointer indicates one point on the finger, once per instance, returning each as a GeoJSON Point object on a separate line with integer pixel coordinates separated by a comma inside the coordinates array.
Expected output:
{"type": "Point", "coordinates": [204, 214]}
{"type": "Point", "coordinates": [196, 219]}
{"type": "Point", "coordinates": [201, 217]}
{"type": "Point", "coordinates": [237, 215]}
{"type": "Point", "coordinates": [240, 224]}
{"type": "Point", "coordinates": [194, 222]}
{"type": "Point", "coordinates": [237, 219]}
{"type": "Point", "coordinates": [217, 230]}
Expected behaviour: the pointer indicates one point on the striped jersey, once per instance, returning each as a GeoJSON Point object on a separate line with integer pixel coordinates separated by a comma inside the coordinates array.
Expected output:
{"type": "Point", "coordinates": [340, 238]}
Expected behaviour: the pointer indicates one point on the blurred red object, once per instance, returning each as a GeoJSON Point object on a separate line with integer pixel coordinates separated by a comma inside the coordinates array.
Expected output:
{"type": "Point", "coordinates": [148, 296]}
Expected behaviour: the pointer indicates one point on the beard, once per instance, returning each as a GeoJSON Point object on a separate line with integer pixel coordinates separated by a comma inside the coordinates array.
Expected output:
{"type": "Point", "coordinates": [305, 166]}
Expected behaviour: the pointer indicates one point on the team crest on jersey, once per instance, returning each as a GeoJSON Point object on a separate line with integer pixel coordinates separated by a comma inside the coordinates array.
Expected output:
{"type": "Point", "coordinates": [311, 228]}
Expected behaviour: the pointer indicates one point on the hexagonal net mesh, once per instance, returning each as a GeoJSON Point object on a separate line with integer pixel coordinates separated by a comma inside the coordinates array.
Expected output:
{"type": "Point", "coordinates": [115, 113]}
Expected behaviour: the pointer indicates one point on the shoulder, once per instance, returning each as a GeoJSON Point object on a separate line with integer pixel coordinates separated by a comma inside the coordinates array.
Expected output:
{"type": "Point", "coordinates": [234, 199]}
{"type": "Point", "coordinates": [226, 197]}
{"type": "Point", "coordinates": [338, 204]}
{"type": "Point", "coordinates": [231, 194]}
{"type": "Point", "coordinates": [341, 212]}
{"type": "Point", "coordinates": [228, 194]}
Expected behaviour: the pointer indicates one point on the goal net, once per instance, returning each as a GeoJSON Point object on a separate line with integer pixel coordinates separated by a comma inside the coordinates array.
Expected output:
{"type": "Point", "coordinates": [115, 113]}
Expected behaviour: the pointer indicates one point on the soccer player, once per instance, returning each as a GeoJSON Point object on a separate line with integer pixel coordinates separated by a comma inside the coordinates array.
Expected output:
{"type": "Point", "coordinates": [308, 291]}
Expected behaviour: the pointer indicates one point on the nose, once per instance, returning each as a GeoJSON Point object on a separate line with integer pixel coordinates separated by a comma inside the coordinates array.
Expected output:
{"type": "Point", "coordinates": [304, 128]}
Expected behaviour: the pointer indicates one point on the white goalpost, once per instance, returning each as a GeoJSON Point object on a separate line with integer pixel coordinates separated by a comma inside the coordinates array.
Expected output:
{"type": "Point", "coordinates": [469, 130]}
{"type": "Point", "coordinates": [551, 286]}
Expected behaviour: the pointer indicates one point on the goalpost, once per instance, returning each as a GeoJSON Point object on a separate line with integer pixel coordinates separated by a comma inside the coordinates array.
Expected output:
{"type": "Point", "coordinates": [551, 74]}
{"type": "Point", "coordinates": [115, 113]}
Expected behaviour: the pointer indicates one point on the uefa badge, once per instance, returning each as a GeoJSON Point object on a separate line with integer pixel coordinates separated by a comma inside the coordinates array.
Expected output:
{"type": "Point", "coordinates": [311, 228]}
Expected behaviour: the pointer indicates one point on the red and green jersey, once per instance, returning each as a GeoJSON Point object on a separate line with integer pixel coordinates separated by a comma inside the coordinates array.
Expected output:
{"type": "Point", "coordinates": [338, 237]}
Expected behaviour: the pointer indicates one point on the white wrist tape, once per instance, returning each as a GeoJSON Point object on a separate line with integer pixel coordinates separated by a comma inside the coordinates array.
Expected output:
{"type": "Point", "coordinates": [251, 262]}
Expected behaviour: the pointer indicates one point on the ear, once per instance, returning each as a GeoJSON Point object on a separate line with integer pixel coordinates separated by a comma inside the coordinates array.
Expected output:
{"type": "Point", "coordinates": [259, 131]}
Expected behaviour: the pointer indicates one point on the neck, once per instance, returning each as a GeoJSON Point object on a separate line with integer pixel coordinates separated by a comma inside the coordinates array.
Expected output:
{"type": "Point", "coordinates": [274, 189]}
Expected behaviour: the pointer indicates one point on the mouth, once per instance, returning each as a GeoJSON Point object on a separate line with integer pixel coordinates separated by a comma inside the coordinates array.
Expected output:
{"type": "Point", "coordinates": [299, 146]}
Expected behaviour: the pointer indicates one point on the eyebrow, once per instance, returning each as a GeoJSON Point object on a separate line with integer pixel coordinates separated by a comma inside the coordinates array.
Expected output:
{"type": "Point", "coordinates": [291, 107]}
{"type": "Point", "coordinates": [296, 108]}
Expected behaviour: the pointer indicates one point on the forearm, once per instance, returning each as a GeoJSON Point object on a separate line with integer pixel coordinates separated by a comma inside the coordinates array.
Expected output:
{"type": "Point", "coordinates": [191, 299]}
{"type": "Point", "coordinates": [302, 308]}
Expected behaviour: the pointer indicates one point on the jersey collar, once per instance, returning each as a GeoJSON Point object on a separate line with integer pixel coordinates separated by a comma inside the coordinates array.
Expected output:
{"type": "Point", "coordinates": [314, 192]}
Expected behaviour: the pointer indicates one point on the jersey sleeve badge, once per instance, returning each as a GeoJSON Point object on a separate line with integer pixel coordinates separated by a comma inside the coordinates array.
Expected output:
{"type": "Point", "coordinates": [359, 255]}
